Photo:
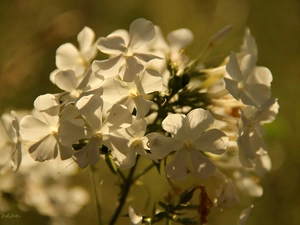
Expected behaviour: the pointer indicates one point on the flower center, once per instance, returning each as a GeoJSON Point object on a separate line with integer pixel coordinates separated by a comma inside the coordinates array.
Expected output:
{"type": "Point", "coordinates": [133, 93]}
{"type": "Point", "coordinates": [75, 94]}
{"type": "Point", "coordinates": [98, 135]}
{"type": "Point", "coordinates": [135, 143]}
{"type": "Point", "coordinates": [241, 85]}
{"type": "Point", "coordinates": [54, 130]}
{"type": "Point", "coordinates": [187, 144]}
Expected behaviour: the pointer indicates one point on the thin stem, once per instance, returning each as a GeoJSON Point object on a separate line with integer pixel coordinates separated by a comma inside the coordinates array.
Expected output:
{"type": "Point", "coordinates": [127, 185]}
{"type": "Point", "coordinates": [142, 173]}
{"type": "Point", "coordinates": [99, 211]}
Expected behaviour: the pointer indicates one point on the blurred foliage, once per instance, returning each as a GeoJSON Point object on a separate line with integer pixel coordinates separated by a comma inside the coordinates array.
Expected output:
{"type": "Point", "coordinates": [32, 30]}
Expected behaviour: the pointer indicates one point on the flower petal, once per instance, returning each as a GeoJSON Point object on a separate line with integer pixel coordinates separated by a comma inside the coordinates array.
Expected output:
{"type": "Point", "coordinates": [202, 166]}
{"type": "Point", "coordinates": [160, 146]}
{"type": "Point", "coordinates": [199, 120]}
{"type": "Point", "coordinates": [66, 80]}
{"type": "Point", "coordinates": [65, 151]}
{"type": "Point", "coordinates": [135, 217]}
{"type": "Point", "coordinates": [32, 129]}
{"type": "Point", "coordinates": [141, 31]}
{"type": "Point", "coordinates": [108, 68]}
{"type": "Point", "coordinates": [248, 65]}
{"type": "Point", "coordinates": [232, 87]}
{"type": "Point", "coordinates": [178, 167]}
{"type": "Point", "coordinates": [118, 117]}
{"type": "Point", "coordinates": [142, 106]}
{"type": "Point", "coordinates": [45, 149]}
{"type": "Point", "coordinates": [173, 124]}
{"type": "Point", "coordinates": [214, 141]}
{"type": "Point", "coordinates": [180, 38]}
{"type": "Point", "coordinates": [85, 38]}
{"type": "Point", "coordinates": [66, 56]}
{"type": "Point", "coordinates": [131, 69]}
{"type": "Point", "coordinates": [112, 44]}
{"type": "Point", "coordinates": [233, 68]}
{"type": "Point", "coordinates": [151, 81]}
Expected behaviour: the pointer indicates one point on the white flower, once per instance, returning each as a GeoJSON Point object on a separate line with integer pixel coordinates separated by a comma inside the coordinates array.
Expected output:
{"type": "Point", "coordinates": [44, 134]}
{"type": "Point", "coordinates": [126, 156]}
{"type": "Point", "coordinates": [90, 107]}
{"type": "Point", "coordinates": [10, 142]}
{"type": "Point", "coordinates": [127, 60]}
{"type": "Point", "coordinates": [226, 195]}
{"type": "Point", "coordinates": [190, 140]}
{"type": "Point", "coordinates": [74, 90]}
{"type": "Point", "coordinates": [68, 57]}
{"type": "Point", "coordinates": [248, 83]}
{"type": "Point", "coordinates": [251, 132]}
{"type": "Point", "coordinates": [133, 94]}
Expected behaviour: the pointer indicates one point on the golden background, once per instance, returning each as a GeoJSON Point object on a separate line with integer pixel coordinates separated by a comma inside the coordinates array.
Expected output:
{"type": "Point", "coordinates": [32, 30]}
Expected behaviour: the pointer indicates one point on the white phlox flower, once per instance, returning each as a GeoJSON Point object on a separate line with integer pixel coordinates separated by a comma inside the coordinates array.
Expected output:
{"type": "Point", "coordinates": [90, 107]}
{"type": "Point", "coordinates": [133, 94]}
{"type": "Point", "coordinates": [125, 157]}
{"type": "Point", "coordinates": [74, 90]}
{"type": "Point", "coordinates": [249, 83]}
{"type": "Point", "coordinates": [44, 134]}
{"type": "Point", "coordinates": [128, 55]}
{"type": "Point", "coordinates": [190, 141]}
{"type": "Point", "coordinates": [226, 195]}
{"type": "Point", "coordinates": [251, 132]}
{"type": "Point", "coordinates": [69, 57]}
{"type": "Point", "coordinates": [134, 216]}
{"type": "Point", "coordinates": [10, 142]}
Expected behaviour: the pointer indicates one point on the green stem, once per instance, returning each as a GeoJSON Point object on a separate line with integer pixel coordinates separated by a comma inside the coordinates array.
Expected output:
{"type": "Point", "coordinates": [144, 172]}
{"type": "Point", "coordinates": [99, 211]}
{"type": "Point", "coordinates": [127, 185]}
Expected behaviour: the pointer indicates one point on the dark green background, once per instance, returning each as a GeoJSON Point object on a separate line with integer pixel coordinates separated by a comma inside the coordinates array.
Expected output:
{"type": "Point", "coordinates": [32, 30]}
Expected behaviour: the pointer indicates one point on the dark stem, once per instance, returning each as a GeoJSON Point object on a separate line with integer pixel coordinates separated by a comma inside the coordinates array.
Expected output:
{"type": "Point", "coordinates": [127, 185]}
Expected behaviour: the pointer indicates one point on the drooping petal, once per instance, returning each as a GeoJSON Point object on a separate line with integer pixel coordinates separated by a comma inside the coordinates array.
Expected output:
{"type": "Point", "coordinates": [91, 108]}
{"type": "Point", "coordinates": [178, 167]}
{"type": "Point", "coordinates": [32, 129]}
{"type": "Point", "coordinates": [259, 93]}
{"type": "Point", "coordinates": [245, 145]}
{"type": "Point", "coordinates": [47, 103]}
{"type": "Point", "coordinates": [88, 154]}
{"type": "Point", "coordinates": [202, 166]}
{"type": "Point", "coordinates": [45, 149]}
{"type": "Point", "coordinates": [85, 38]}
{"type": "Point", "coordinates": [146, 57]}
{"type": "Point", "coordinates": [160, 146]}
{"type": "Point", "coordinates": [180, 38]}
{"type": "Point", "coordinates": [214, 141]}
{"type": "Point", "coordinates": [112, 44]}
{"type": "Point", "coordinates": [65, 151]}
{"type": "Point", "coordinates": [16, 157]}
{"type": "Point", "coordinates": [66, 80]}
{"type": "Point", "coordinates": [141, 31]}
{"type": "Point", "coordinates": [70, 133]}
{"type": "Point", "coordinates": [233, 68]}
{"type": "Point", "coordinates": [199, 120]}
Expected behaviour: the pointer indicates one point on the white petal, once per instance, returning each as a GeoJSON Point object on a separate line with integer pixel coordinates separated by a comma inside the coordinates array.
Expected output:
{"type": "Point", "coordinates": [122, 33]}
{"type": "Point", "coordinates": [45, 149]}
{"type": "Point", "coordinates": [262, 75]}
{"type": "Point", "coordinates": [226, 195]}
{"type": "Point", "coordinates": [174, 124]}
{"type": "Point", "coordinates": [90, 107]}
{"type": "Point", "coordinates": [108, 68]}
{"type": "Point", "coordinates": [232, 87]}
{"type": "Point", "coordinates": [70, 133]}
{"type": "Point", "coordinates": [245, 145]}
{"type": "Point", "coordinates": [32, 129]}
{"type": "Point", "coordinates": [16, 157]}
{"type": "Point", "coordinates": [65, 151]}
{"type": "Point", "coordinates": [113, 44]}
{"type": "Point", "coordinates": [214, 141]}
{"type": "Point", "coordinates": [160, 146]}
{"type": "Point", "coordinates": [178, 167]}
{"type": "Point", "coordinates": [47, 103]}
{"type": "Point", "coordinates": [114, 90]}
{"type": "Point", "coordinates": [151, 81]}
{"type": "Point", "coordinates": [131, 69]}
{"type": "Point", "coordinates": [202, 166]}
{"type": "Point", "coordinates": [233, 68]}
{"type": "Point", "coordinates": [135, 217]}
{"type": "Point", "coordinates": [88, 154]}
{"type": "Point", "coordinates": [180, 38]}
{"type": "Point", "coordinates": [146, 57]}
{"type": "Point", "coordinates": [199, 120]}
{"type": "Point", "coordinates": [248, 65]}
{"type": "Point", "coordinates": [142, 106]}
{"type": "Point", "coordinates": [141, 31]}
{"type": "Point", "coordinates": [66, 80]}
{"type": "Point", "coordinates": [258, 92]}
{"type": "Point", "coordinates": [118, 117]}
{"type": "Point", "coordinates": [85, 38]}
{"type": "Point", "coordinates": [66, 56]}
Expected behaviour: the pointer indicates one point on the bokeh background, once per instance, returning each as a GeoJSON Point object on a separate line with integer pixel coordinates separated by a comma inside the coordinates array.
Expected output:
{"type": "Point", "coordinates": [32, 30]}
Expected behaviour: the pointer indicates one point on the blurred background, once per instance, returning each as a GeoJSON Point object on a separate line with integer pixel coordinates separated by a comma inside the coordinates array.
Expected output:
{"type": "Point", "coordinates": [32, 30]}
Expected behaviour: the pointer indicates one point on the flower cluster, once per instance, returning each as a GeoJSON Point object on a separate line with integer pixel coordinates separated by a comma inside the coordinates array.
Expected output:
{"type": "Point", "coordinates": [148, 99]}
